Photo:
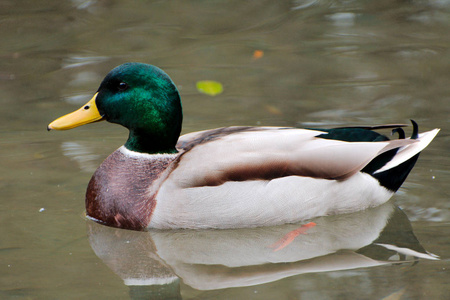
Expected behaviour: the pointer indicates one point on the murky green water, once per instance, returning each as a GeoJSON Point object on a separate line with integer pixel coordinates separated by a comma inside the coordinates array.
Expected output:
{"type": "Point", "coordinates": [323, 62]}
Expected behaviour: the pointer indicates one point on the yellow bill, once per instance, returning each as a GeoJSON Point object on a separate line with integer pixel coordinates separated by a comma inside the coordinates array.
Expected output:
{"type": "Point", "coordinates": [88, 113]}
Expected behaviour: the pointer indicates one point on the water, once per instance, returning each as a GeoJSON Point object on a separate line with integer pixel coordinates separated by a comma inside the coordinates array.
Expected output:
{"type": "Point", "coordinates": [324, 63]}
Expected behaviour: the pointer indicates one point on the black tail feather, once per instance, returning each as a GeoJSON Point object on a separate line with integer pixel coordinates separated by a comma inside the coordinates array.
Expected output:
{"type": "Point", "coordinates": [415, 133]}
{"type": "Point", "coordinates": [393, 178]}
{"type": "Point", "coordinates": [401, 133]}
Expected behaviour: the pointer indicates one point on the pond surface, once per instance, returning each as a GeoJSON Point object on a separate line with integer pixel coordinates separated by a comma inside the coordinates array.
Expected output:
{"type": "Point", "coordinates": [285, 63]}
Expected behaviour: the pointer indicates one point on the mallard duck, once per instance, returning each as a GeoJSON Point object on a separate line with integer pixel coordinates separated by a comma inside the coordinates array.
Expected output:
{"type": "Point", "coordinates": [229, 177]}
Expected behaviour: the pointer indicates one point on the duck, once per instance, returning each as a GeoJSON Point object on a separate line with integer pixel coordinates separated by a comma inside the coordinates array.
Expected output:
{"type": "Point", "coordinates": [230, 177]}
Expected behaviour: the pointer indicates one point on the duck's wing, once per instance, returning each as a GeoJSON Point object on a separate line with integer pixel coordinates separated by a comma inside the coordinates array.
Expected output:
{"type": "Point", "coordinates": [189, 140]}
{"type": "Point", "coordinates": [211, 158]}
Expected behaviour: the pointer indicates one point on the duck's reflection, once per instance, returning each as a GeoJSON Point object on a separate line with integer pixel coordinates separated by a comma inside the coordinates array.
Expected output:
{"type": "Point", "coordinates": [216, 259]}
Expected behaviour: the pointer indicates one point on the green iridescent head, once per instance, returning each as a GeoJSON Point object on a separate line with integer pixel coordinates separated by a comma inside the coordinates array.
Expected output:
{"type": "Point", "coordinates": [140, 97]}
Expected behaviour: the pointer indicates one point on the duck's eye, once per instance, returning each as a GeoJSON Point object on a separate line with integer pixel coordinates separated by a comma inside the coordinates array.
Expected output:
{"type": "Point", "coordinates": [122, 86]}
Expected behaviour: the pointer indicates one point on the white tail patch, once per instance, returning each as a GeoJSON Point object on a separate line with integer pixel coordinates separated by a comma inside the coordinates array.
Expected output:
{"type": "Point", "coordinates": [408, 151]}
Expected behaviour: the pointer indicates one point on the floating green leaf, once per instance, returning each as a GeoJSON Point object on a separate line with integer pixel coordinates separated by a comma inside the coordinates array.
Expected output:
{"type": "Point", "coordinates": [209, 87]}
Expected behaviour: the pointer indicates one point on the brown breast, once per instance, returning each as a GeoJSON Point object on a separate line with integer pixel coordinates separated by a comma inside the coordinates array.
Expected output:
{"type": "Point", "coordinates": [120, 193]}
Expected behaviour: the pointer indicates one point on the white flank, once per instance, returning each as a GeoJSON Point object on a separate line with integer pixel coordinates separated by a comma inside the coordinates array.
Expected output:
{"type": "Point", "coordinates": [262, 203]}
